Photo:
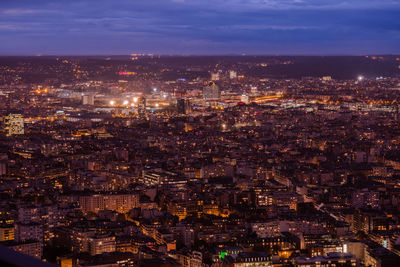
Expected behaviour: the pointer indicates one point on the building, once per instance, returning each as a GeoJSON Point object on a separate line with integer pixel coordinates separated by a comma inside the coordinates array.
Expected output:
{"type": "Point", "coordinates": [47, 216]}
{"type": "Point", "coordinates": [80, 238]}
{"type": "Point", "coordinates": [366, 199]}
{"type": "Point", "coordinates": [112, 259]}
{"type": "Point", "coordinates": [3, 168]}
{"type": "Point", "coordinates": [31, 231]}
{"type": "Point", "coordinates": [333, 259]}
{"type": "Point", "coordinates": [215, 76]}
{"type": "Point", "coordinates": [88, 100]}
{"type": "Point", "coordinates": [184, 106]}
{"type": "Point", "coordinates": [368, 221]}
{"type": "Point", "coordinates": [31, 248]}
{"type": "Point", "coordinates": [378, 256]}
{"type": "Point", "coordinates": [6, 233]}
{"type": "Point", "coordinates": [232, 74]}
{"type": "Point", "coordinates": [142, 107]}
{"type": "Point", "coordinates": [162, 178]}
{"type": "Point", "coordinates": [248, 259]}
{"type": "Point", "coordinates": [245, 99]}
{"type": "Point", "coordinates": [192, 259]}
{"type": "Point", "coordinates": [101, 244]}
{"type": "Point", "coordinates": [211, 92]}
{"type": "Point", "coordinates": [14, 124]}
{"type": "Point", "coordinates": [118, 202]}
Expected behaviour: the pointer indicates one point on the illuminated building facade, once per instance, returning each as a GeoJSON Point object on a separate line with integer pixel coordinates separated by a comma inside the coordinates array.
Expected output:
{"type": "Point", "coordinates": [119, 202]}
{"type": "Point", "coordinates": [211, 92]}
{"type": "Point", "coordinates": [6, 233]}
{"type": "Point", "coordinates": [14, 124]}
{"type": "Point", "coordinates": [101, 244]}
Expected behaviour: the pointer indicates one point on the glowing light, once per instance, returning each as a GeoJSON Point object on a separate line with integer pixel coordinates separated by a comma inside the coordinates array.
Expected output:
{"type": "Point", "coordinates": [112, 102]}
{"type": "Point", "coordinates": [155, 89]}
{"type": "Point", "coordinates": [360, 78]}
{"type": "Point", "coordinates": [126, 73]}
{"type": "Point", "coordinates": [157, 105]}
{"type": "Point", "coordinates": [126, 102]}
{"type": "Point", "coordinates": [135, 99]}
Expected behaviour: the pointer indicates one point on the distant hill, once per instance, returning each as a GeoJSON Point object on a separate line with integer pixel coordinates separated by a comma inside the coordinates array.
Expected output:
{"type": "Point", "coordinates": [37, 69]}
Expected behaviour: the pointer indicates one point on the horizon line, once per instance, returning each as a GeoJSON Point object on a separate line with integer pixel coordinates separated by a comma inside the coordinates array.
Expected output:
{"type": "Point", "coordinates": [197, 55]}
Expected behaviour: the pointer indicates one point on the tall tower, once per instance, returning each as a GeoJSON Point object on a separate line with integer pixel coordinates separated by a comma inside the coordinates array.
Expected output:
{"type": "Point", "coordinates": [14, 124]}
{"type": "Point", "coordinates": [184, 106]}
{"type": "Point", "coordinates": [142, 108]}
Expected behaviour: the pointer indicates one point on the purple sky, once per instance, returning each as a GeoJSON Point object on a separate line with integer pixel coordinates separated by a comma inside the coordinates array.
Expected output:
{"type": "Point", "coordinates": [79, 27]}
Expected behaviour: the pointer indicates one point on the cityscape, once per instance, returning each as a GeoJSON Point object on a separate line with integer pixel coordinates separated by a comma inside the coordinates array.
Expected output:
{"type": "Point", "coordinates": [186, 133]}
{"type": "Point", "coordinates": [152, 161]}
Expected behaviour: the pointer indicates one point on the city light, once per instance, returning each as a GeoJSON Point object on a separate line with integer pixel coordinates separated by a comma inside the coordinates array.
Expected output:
{"type": "Point", "coordinates": [113, 165]}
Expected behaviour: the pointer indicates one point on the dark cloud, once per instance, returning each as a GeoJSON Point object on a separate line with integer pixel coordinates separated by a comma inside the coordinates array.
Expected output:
{"type": "Point", "coordinates": [199, 26]}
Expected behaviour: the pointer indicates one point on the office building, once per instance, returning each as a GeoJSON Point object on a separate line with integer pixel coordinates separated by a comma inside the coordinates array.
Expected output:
{"type": "Point", "coordinates": [232, 74]}
{"type": "Point", "coordinates": [88, 100]}
{"type": "Point", "coordinates": [211, 92]}
{"type": "Point", "coordinates": [14, 124]}
{"type": "Point", "coordinates": [184, 106]}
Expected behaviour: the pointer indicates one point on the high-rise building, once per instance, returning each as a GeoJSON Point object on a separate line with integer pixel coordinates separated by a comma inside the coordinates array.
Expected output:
{"type": "Point", "coordinates": [232, 74]}
{"type": "Point", "coordinates": [88, 100]}
{"type": "Point", "coordinates": [215, 76]}
{"type": "Point", "coordinates": [14, 124]}
{"type": "Point", "coordinates": [45, 215]}
{"type": "Point", "coordinates": [184, 106]}
{"type": "Point", "coordinates": [31, 231]}
{"type": "Point", "coordinates": [211, 92]}
{"type": "Point", "coordinates": [142, 107]}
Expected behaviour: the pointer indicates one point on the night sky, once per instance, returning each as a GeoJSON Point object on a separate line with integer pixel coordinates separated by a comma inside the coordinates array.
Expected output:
{"type": "Point", "coordinates": [301, 27]}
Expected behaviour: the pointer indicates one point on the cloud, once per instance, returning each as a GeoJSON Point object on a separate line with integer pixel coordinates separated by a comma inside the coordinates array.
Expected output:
{"type": "Point", "coordinates": [270, 27]}
{"type": "Point", "coordinates": [26, 11]}
{"type": "Point", "coordinates": [177, 25]}
{"type": "Point", "coordinates": [246, 5]}
{"type": "Point", "coordinates": [11, 27]}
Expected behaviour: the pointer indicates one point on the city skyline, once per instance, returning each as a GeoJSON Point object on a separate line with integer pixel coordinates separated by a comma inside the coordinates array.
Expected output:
{"type": "Point", "coordinates": [199, 133]}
